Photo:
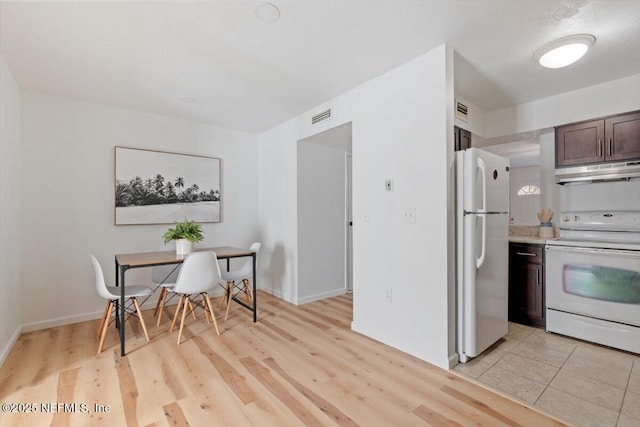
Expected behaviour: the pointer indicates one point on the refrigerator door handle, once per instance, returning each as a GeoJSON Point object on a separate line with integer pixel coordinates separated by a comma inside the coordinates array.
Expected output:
{"type": "Point", "coordinates": [483, 246]}
{"type": "Point", "coordinates": [483, 174]}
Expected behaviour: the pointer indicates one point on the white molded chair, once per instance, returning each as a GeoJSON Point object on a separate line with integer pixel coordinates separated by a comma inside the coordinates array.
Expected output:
{"type": "Point", "coordinates": [237, 281]}
{"type": "Point", "coordinates": [112, 294]}
{"type": "Point", "coordinates": [199, 274]}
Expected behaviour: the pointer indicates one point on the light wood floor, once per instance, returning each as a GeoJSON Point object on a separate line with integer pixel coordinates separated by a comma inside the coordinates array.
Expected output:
{"type": "Point", "coordinates": [296, 366]}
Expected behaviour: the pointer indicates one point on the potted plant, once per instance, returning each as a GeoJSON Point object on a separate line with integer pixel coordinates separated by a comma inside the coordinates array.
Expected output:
{"type": "Point", "coordinates": [185, 233]}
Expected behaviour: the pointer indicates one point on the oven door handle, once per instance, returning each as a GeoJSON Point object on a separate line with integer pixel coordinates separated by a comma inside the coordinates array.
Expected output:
{"type": "Point", "coordinates": [596, 251]}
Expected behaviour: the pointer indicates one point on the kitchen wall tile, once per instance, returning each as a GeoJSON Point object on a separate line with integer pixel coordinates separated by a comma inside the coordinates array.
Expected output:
{"type": "Point", "coordinates": [578, 411]}
{"type": "Point", "coordinates": [513, 384]}
{"type": "Point", "coordinates": [589, 389]}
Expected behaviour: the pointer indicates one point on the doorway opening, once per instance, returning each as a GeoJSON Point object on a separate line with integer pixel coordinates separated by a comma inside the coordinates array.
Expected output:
{"type": "Point", "coordinates": [325, 240]}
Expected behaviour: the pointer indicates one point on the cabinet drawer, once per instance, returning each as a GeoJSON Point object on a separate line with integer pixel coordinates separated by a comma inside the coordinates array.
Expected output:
{"type": "Point", "coordinates": [527, 253]}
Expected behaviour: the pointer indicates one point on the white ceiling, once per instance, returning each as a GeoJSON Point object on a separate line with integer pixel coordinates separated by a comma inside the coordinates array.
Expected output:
{"type": "Point", "coordinates": [215, 62]}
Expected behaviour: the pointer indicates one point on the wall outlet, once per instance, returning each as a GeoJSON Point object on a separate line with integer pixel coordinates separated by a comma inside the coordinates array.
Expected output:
{"type": "Point", "coordinates": [365, 217]}
{"type": "Point", "coordinates": [388, 296]}
{"type": "Point", "coordinates": [388, 184]}
{"type": "Point", "coordinates": [409, 216]}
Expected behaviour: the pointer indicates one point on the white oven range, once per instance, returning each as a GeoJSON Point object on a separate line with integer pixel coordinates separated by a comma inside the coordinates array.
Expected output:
{"type": "Point", "coordinates": [593, 278]}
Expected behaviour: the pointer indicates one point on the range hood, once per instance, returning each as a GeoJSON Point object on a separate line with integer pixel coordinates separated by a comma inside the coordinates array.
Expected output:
{"type": "Point", "coordinates": [595, 173]}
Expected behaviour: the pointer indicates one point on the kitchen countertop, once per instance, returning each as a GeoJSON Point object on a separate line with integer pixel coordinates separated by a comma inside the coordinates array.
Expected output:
{"type": "Point", "coordinates": [530, 239]}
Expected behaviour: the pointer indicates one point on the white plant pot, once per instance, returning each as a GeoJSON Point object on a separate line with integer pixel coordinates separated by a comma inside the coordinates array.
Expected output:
{"type": "Point", "coordinates": [183, 246]}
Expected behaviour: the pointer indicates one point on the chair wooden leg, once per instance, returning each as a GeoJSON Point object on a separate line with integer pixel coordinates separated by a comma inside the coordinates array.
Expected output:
{"type": "Point", "coordinates": [175, 316]}
{"type": "Point", "coordinates": [140, 318]}
{"type": "Point", "coordinates": [161, 302]}
{"type": "Point", "coordinates": [226, 313]}
{"type": "Point", "coordinates": [105, 325]}
{"type": "Point", "coordinates": [247, 290]}
{"type": "Point", "coordinates": [184, 315]}
{"type": "Point", "coordinates": [191, 309]}
{"type": "Point", "coordinates": [104, 315]}
{"type": "Point", "coordinates": [163, 293]}
{"type": "Point", "coordinates": [213, 315]}
{"type": "Point", "coordinates": [225, 297]}
{"type": "Point", "coordinates": [205, 307]}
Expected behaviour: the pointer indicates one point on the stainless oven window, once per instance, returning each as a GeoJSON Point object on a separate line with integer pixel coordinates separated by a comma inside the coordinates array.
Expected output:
{"type": "Point", "coordinates": [602, 283]}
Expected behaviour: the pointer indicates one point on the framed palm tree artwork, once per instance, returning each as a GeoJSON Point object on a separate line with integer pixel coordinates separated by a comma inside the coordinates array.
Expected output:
{"type": "Point", "coordinates": [157, 187]}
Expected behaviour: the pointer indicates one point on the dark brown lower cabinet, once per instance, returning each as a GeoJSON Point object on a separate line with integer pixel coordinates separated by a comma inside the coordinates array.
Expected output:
{"type": "Point", "coordinates": [526, 284]}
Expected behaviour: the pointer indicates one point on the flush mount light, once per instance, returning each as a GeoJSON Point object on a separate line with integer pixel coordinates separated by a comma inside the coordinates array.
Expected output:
{"type": "Point", "coordinates": [565, 51]}
{"type": "Point", "coordinates": [267, 12]}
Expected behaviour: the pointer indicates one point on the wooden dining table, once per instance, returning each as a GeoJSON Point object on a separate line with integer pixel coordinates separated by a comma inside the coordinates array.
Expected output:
{"type": "Point", "coordinates": [125, 262]}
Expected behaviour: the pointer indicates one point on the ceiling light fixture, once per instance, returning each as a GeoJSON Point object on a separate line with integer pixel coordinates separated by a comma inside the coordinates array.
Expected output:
{"type": "Point", "coordinates": [267, 12]}
{"type": "Point", "coordinates": [565, 51]}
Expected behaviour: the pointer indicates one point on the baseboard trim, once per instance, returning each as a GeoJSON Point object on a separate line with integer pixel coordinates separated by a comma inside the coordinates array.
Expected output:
{"type": "Point", "coordinates": [77, 318]}
{"type": "Point", "coordinates": [320, 296]}
{"type": "Point", "coordinates": [9, 346]}
{"type": "Point", "coordinates": [278, 294]}
{"type": "Point", "coordinates": [453, 360]}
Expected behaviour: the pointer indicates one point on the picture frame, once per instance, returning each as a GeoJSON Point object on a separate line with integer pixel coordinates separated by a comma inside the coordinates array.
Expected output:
{"type": "Point", "coordinates": [160, 187]}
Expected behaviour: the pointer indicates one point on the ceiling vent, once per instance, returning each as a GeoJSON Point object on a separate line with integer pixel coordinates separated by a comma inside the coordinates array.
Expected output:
{"type": "Point", "coordinates": [321, 116]}
{"type": "Point", "coordinates": [461, 111]}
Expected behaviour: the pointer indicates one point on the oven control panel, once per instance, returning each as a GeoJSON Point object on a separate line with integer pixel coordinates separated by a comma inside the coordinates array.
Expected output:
{"type": "Point", "coordinates": [601, 220]}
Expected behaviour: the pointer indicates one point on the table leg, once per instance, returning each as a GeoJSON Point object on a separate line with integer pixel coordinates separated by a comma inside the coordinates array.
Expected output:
{"type": "Point", "coordinates": [117, 322]}
{"type": "Point", "coordinates": [122, 311]}
{"type": "Point", "coordinates": [255, 294]}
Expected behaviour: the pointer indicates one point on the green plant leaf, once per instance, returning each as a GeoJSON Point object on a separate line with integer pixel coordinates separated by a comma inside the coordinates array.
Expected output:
{"type": "Point", "coordinates": [184, 230]}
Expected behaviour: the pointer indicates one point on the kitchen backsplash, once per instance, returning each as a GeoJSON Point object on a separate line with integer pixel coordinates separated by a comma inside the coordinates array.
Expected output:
{"type": "Point", "coordinates": [529, 230]}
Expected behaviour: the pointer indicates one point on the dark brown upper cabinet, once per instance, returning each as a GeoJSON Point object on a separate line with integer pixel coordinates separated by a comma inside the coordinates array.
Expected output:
{"type": "Point", "coordinates": [608, 139]}
{"type": "Point", "coordinates": [462, 138]}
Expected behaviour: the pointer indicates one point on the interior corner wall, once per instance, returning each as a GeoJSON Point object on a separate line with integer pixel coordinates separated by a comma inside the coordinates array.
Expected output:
{"type": "Point", "coordinates": [613, 97]}
{"type": "Point", "coordinates": [67, 194]}
{"type": "Point", "coordinates": [400, 131]}
{"type": "Point", "coordinates": [10, 215]}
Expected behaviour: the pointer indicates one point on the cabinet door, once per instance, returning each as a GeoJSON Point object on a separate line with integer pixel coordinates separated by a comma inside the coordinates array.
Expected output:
{"type": "Point", "coordinates": [623, 137]}
{"type": "Point", "coordinates": [462, 139]}
{"type": "Point", "coordinates": [527, 294]}
{"type": "Point", "coordinates": [580, 143]}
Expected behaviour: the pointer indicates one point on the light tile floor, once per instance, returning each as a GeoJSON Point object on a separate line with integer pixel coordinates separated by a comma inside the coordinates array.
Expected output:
{"type": "Point", "coordinates": [578, 382]}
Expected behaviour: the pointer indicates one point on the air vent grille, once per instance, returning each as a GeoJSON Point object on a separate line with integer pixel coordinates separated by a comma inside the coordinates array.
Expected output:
{"type": "Point", "coordinates": [321, 116]}
{"type": "Point", "coordinates": [461, 111]}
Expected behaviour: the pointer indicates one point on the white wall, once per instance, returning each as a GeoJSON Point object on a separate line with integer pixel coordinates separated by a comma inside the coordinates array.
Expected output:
{"type": "Point", "coordinates": [321, 222]}
{"type": "Point", "coordinates": [401, 130]}
{"type": "Point", "coordinates": [550, 191]}
{"type": "Point", "coordinates": [10, 215]}
{"type": "Point", "coordinates": [523, 209]}
{"type": "Point", "coordinates": [67, 197]}
{"type": "Point", "coordinates": [616, 96]}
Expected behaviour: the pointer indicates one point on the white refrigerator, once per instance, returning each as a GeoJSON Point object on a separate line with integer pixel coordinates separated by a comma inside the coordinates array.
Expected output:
{"type": "Point", "coordinates": [482, 250]}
